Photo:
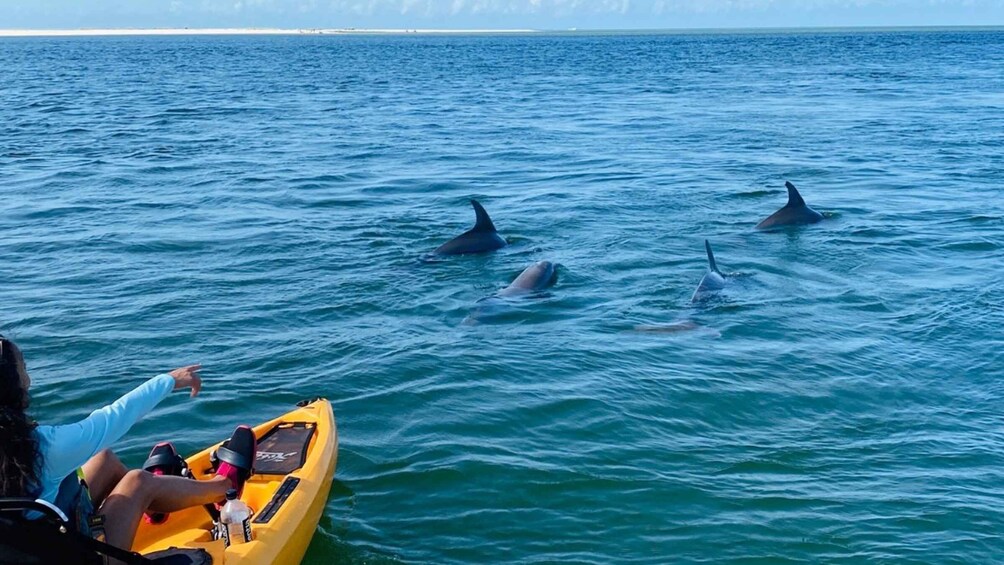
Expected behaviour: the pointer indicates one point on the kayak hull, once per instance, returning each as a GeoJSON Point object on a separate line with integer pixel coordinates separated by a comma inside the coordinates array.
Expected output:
{"type": "Point", "coordinates": [287, 505]}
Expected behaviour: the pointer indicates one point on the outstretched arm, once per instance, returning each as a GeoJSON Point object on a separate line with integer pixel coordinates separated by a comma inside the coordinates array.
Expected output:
{"type": "Point", "coordinates": [71, 445]}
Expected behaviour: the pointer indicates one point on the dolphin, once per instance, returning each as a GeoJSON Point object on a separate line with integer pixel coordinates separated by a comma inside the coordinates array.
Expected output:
{"type": "Point", "coordinates": [794, 213]}
{"type": "Point", "coordinates": [531, 281]}
{"type": "Point", "coordinates": [482, 238]}
{"type": "Point", "coordinates": [534, 278]}
{"type": "Point", "coordinates": [712, 281]}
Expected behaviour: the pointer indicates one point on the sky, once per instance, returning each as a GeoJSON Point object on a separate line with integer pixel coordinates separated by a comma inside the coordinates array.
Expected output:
{"type": "Point", "coordinates": [495, 14]}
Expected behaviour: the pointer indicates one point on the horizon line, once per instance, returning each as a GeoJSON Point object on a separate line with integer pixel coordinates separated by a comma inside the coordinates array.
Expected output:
{"type": "Point", "coordinates": [133, 31]}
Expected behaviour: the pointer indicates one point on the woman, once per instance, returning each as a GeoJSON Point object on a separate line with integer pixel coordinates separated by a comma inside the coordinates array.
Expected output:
{"type": "Point", "coordinates": [44, 461]}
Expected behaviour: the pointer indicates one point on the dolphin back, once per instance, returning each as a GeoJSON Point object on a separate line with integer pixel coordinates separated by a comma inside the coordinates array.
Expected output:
{"type": "Point", "coordinates": [796, 212]}
{"type": "Point", "coordinates": [536, 277]}
{"type": "Point", "coordinates": [532, 280]}
{"type": "Point", "coordinates": [482, 238]}
{"type": "Point", "coordinates": [712, 280]}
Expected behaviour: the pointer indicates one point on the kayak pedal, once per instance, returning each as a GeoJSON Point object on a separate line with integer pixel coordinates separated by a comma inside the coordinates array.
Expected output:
{"type": "Point", "coordinates": [163, 460]}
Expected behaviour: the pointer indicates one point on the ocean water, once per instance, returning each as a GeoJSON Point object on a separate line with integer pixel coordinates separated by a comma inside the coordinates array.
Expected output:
{"type": "Point", "coordinates": [263, 205]}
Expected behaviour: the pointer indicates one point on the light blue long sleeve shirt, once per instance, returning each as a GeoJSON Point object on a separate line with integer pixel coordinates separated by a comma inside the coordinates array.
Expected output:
{"type": "Point", "coordinates": [65, 448]}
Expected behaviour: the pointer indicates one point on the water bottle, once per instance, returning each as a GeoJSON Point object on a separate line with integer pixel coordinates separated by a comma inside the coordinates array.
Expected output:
{"type": "Point", "coordinates": [235, 520]}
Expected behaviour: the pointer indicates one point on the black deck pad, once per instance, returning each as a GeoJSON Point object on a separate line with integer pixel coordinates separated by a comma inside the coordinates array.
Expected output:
{"type": "Point", "coordinates": [283, 449]}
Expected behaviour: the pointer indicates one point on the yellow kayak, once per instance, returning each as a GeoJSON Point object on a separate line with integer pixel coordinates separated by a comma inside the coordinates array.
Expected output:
{"type": "Point", "coordinates": [293, 471]}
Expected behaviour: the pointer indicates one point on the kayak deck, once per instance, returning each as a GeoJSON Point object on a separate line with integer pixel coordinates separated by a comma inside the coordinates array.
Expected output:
{"type": "Point", "coordinates": [297, 455]}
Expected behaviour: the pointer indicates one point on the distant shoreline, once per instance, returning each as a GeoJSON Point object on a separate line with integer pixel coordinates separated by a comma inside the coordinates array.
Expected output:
{"type": "Point", "coordinates": [236, 31]}
{"type": "Point", "coordinates": [94, 32]}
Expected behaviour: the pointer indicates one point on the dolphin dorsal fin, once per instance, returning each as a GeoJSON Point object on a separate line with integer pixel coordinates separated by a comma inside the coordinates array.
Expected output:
{"type": "Point", "coordinates": [711, 257]}
{"type": "Point", "coordinates": [794, 198]}
{"type": "Point", "coordinates": [483, 222]}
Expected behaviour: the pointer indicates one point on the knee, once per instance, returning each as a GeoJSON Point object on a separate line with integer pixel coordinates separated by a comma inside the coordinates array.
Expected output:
{"type": "Point", "coordinates": [132, 493]}
{"type": "Point", "coordinates": [106, 462]}
{"type": "Point", "coordinates": [134, 481]}
{"type": "Point", "coordinates": [107, 456]}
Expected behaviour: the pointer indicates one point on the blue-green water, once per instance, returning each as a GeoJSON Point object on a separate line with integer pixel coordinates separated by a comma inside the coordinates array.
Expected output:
{"type": "Point", "coordinates": [261, 205]}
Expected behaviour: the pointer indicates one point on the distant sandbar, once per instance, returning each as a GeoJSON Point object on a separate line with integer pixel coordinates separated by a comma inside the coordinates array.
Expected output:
{"type": "Point", "coordinates": [231, 31]}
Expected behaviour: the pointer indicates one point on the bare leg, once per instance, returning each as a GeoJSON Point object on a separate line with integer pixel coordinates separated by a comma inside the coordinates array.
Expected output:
{"type": "Point", "coordinates": [102, 472]}
{"type": "Point", "coordinates": [139, 491]}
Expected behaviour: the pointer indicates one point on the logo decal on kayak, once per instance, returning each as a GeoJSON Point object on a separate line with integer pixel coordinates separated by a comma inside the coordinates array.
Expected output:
{"type": "Point", "coordinates": [276, 456]}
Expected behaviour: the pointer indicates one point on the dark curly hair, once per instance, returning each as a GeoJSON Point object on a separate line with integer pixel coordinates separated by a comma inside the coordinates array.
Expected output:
{"type": "Point", "coordinates": [19, 455]}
